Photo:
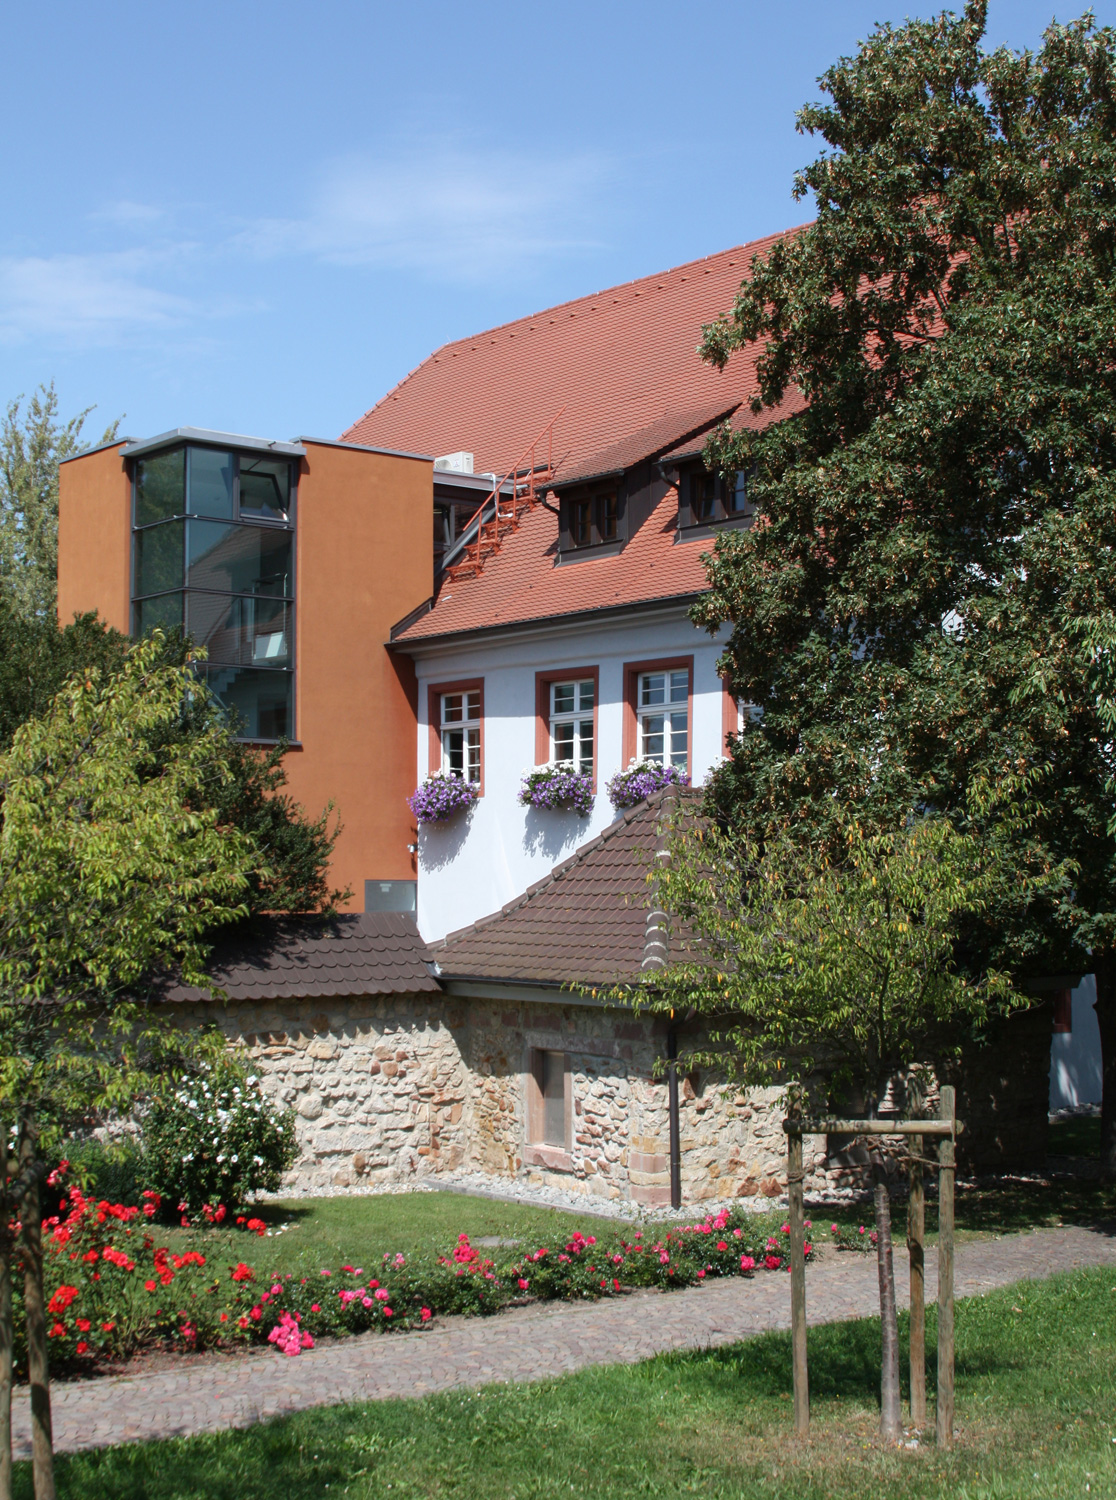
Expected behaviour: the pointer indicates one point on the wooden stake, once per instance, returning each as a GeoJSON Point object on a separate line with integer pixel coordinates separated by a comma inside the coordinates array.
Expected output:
{"type": "Point", "coordinates": [38, 1367]}
{"type": "Point", "coordinates": [946, 1172]}
{"type": "Point", "coordinates": [916, 1238]}
{"type": "Point", "coordinates": [798, 1285]}
{"type": "Point", "coordinates": [6, 1216]}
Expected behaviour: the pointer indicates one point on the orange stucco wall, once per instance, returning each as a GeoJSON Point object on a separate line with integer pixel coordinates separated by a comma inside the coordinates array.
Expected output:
{"type": "Point", "coordinates": [364, 561]}
{"type": "Point", "coordinates": [94, 537]}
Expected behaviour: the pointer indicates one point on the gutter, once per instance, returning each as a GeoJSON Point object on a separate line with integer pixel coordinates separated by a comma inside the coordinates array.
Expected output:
{"type": "Point", "coordinates": [431, 644]}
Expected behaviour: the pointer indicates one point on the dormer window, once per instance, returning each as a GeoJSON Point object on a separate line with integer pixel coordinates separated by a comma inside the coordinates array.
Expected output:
{"type": "Point", "coordinates": [592, 520]}
{"type": "Point", "coordinates": [706, 499]}
{"type": "Point", "coordinates": [581, 523]}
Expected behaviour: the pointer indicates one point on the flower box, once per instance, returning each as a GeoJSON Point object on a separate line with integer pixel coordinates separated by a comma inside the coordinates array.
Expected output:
{"type": "Point", "coordinates": [558, 786]}
{"type": "Point", "coordinates": [441, 796]}
{"type": "Point", "coordinates": [643, 778]}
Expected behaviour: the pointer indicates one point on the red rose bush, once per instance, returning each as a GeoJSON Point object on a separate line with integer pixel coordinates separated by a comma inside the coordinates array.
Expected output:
{"type": "Point", "coordinates": [113, 1289]}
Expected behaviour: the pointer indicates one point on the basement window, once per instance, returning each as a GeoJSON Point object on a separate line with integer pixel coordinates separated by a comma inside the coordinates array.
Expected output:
{"type": "Point", "coordinates": [548, 1116]}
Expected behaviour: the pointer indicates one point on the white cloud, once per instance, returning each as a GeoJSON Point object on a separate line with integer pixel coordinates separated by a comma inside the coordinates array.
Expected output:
{"type": "Point", "coordinates": [434, 207]}
{"type": "Point", "coordinates": [87, 299]}
{"type": "Point", "coordinates": [449, 212]}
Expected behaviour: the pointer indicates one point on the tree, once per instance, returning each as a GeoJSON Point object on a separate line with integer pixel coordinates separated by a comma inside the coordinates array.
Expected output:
{"type": "Point", "coordinates": [916, 609]}
{"type": "Point", "coordinates": [113, 866]}
{"type": "Point", "coordinates": [829, 969]}
{"type": "Point", "coordinates": [36, 659]}
{"type": "Point", "coordinates": [32, 445]}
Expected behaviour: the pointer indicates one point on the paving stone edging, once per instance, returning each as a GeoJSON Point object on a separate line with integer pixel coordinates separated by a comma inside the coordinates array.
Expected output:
{"type": "Point", "coordinates": [521, 1344]}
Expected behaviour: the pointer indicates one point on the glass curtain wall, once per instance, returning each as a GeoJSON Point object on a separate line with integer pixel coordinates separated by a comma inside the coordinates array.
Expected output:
{"type": "Point", "coordinates": [213, 556]}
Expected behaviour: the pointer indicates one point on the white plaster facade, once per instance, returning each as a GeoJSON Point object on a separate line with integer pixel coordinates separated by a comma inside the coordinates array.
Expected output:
{"type": "Point", "coordinates": [470, 866]}
{"type": "Point", "coordinates": [1075, 1055]}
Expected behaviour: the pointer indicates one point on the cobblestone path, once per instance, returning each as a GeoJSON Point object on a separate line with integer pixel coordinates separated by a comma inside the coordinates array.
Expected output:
{"type": "Point", "coordinates": [521, 1344]}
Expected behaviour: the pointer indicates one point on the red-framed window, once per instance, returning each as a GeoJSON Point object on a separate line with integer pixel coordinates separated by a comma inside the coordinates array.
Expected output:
{"type": "Point", "coordinates": [566, 703]}
{"type": "Point", "coordinates": [456, 735]}
{"type": "Point", "coordinates": [659, 711]}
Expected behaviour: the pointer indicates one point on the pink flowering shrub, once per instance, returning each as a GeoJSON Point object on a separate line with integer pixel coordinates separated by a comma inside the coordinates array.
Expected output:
{"type": "Point", "coordinates": [287, 1337]}
{"type": "Point", "coordinates": [859, 1237]}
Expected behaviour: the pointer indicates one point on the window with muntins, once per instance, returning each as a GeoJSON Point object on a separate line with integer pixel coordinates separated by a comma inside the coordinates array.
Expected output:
{"type": "Point", "coordinates": [461, 735]}
{"type": "Point", "coordinates": [213, 555]}
{"type": "Point", "coordinates": [662, 717]}
{"type": "Point", "coordinates": [709, 498]}
{"type": "Point", "coordinates": [571, 724]}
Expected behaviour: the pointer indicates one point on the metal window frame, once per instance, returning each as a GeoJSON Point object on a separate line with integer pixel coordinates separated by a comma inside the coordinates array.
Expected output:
{"type": "Point", "coordinates": [251, 521]}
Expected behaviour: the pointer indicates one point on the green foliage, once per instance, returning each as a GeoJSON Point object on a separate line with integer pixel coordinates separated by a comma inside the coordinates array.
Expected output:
{"type": "Point", "coordinates": [833, 962]}
{"type": "Point", "coordinates": [37, 657]}
{"type": "Point", "coordinates": [113, 1171]}
{"type": "Point", "coordinates": [32, 445]}
{"type": "Point", "coordinates": [925, 601]}
{"type": "Point", "coordinates": [938, 522]}
{"type": "Point", "coordinates": [112, 868]}
{"type": "Point", "coordinates": [216, 1140]}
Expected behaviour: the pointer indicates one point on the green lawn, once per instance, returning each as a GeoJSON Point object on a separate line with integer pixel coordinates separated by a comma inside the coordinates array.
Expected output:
{"type": "Point", "coordinates": [1080, 1135]}
{"type": "Point", "coordinates": [1035, 1405]}
{"type": "Point", "coordinates": [328, 1232]}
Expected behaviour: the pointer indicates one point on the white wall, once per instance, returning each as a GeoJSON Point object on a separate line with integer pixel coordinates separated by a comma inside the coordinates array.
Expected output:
{"type": "Point", "coordinates": [474, 863]}
{"type": "Point", "coordinates": [1075, 1056]}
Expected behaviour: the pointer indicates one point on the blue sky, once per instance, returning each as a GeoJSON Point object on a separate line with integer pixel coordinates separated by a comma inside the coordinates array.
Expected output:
{"type": "Point", "coordinates": [259, 217]}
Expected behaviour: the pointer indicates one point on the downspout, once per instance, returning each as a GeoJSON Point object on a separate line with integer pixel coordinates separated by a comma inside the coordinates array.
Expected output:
{"type": "Point", "coordinates": [656, 951]}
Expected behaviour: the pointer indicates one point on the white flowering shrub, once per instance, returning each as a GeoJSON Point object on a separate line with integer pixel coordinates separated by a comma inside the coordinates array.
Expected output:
{"type": "Point", "coordinates": [217, 1140]}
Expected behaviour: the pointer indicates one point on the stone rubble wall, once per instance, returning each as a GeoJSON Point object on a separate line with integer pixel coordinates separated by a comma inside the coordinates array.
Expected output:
{"type": "Point", "coordinates": [392, 1090]}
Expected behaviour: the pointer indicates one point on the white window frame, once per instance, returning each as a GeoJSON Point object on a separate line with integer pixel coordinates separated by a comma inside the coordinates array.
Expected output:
{"type": "Point", "coordinates": [579, 717]}
{"type": "Point", "coordinates": [673, 711]}
{"type": "Point", "coordinates": [459, 715]}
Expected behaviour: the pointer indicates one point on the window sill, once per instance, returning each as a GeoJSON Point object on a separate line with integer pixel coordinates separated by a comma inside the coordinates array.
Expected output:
{"type": "Point", "coordinates": [552, 1157]}
{"type": "Point", "coordinates": [706, 529]}
{"type": "Point", "coordinates": [591, 549]}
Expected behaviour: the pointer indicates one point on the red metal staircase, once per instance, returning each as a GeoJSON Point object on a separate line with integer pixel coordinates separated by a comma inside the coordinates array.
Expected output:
{"type": "Point", "coordinates": [500, 512]}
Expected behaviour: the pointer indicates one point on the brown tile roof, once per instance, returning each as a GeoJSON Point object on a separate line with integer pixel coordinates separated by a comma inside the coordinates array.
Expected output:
{"type": "Point", "coordinates": [525, 582]}
{"type": "Point", "coordinates": [584, 922]}
{"type": "Point", "coordinates": [617, 360]}
{"type": "Point", "coordinates": [368, 953]}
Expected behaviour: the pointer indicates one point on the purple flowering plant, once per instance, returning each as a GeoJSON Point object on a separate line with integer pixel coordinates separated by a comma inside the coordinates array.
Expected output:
{"type": "Point", "coordinates": [440, 796]}
{"type": "Point", "coordinates": [559, 786]}
{"type": "Point", "coordinates": [641, 779]}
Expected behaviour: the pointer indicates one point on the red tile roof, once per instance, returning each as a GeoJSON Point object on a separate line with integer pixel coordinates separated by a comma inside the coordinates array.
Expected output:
{"type": "Point", "coordinates": [617, 360]}
{"type": "Point", "coordinates": [524, 580]}
{"type": "Point", "coordinates": [672, 428]}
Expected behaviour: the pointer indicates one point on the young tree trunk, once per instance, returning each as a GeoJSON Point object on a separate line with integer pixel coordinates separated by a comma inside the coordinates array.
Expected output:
{"type": "Point", "coordinates": [38, 1371]}
{"type": "Point", "coordinates": [890, 1427]}
{"type": "Point", "coordinates": [6, 1211]}
{"type": "Point", "coordinates": [1105, 974]}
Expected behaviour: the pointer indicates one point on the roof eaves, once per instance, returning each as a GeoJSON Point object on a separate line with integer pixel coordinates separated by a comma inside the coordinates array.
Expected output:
{"type": "Point", "coordinates": [208, 438]}
{"type": "Point", "coordinates": [427, 458]}
{"type": "Point", "coordinates": [121, 442]}
{"type": "Point", "coordinates": [473, 632]}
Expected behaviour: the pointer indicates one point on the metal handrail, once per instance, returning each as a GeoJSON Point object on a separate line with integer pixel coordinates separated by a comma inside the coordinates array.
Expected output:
{"type": "Point", "coordinates": [522, 477]}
